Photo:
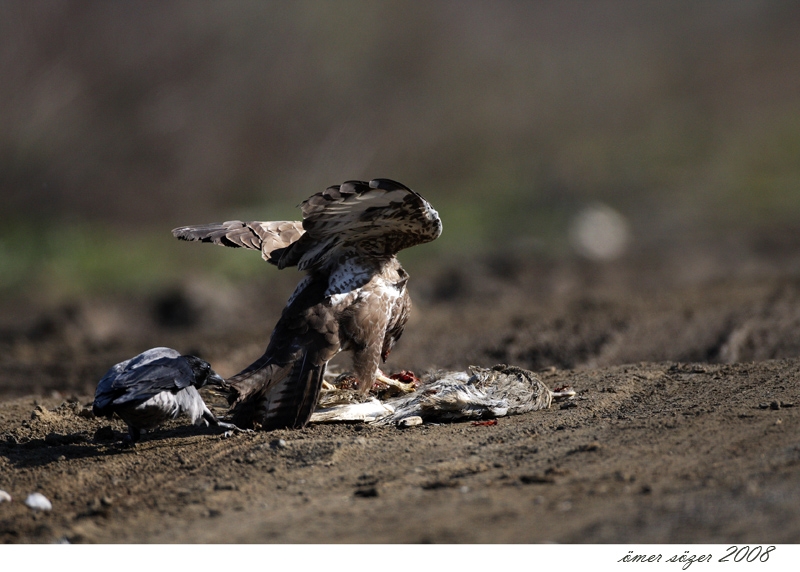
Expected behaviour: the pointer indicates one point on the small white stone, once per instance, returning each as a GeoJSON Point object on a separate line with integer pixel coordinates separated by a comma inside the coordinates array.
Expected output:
{"type": "Point", "coordinates": [4, 496]}
{"type": "Point", "coordinates": [412, 421]}
{"type": "Point", "coordinates": [38, 501]}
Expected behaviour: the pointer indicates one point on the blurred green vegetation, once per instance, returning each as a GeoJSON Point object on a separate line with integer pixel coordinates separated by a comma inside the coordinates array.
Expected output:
{"type": "Point", "coordinates": [67, 261]}
{"type": "Point", "coordinates": [120, 121]}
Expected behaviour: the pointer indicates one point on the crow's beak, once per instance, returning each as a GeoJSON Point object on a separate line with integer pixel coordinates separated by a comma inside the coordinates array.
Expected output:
{"type": "Point", "coordinates": [214, 379]}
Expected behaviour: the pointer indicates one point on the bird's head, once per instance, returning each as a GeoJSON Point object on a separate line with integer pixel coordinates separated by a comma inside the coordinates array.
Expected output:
{"type": "Point", "coordinates": [203, 374]}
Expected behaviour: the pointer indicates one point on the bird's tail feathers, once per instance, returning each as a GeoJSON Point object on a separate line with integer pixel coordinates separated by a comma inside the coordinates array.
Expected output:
{"type": "Point", "coordinates": [269, 395]}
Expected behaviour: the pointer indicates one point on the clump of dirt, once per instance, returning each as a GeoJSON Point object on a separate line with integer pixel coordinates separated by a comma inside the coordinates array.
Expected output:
{"type": "Point", "coordinates": [66, 424]}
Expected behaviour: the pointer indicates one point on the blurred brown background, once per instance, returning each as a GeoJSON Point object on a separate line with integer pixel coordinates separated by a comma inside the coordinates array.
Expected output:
{"type": "Point", "coordinates": [678, 122]}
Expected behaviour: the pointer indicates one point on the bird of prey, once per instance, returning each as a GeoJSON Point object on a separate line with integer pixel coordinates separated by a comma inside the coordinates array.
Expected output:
{"type": "Point", "coordinates": [157, 385]}
{"type": "Point", "coordinates": [353, 297]}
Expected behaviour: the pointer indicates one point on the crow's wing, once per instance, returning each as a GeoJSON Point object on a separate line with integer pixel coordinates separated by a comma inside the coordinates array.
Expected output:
{"type": "Point", "coordinates": [106, 392]}
{"type": "Point", "coordinates": [140, 383]}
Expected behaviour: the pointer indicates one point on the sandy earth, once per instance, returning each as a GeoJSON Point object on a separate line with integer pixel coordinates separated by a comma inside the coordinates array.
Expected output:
{"type": "Point", "coordinates": [685, 427]}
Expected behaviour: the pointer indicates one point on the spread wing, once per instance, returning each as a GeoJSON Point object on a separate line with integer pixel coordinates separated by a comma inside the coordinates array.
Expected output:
{"type": "Point", "coordinates": [264, 236]}
{"type": "Point", "coordinates": [378, 218]}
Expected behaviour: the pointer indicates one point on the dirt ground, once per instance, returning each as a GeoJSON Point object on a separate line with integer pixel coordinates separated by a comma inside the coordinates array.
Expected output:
{"type": "Point", "coordinates": [685, 427]}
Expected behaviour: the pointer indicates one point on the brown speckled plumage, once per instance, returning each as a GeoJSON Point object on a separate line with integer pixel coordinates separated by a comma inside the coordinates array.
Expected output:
{"type": "Point", "coordinates": [354, 297]}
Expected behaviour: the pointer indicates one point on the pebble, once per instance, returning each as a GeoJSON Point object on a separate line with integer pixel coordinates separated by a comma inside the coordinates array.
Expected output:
{"type": "Point", "coordinates": [412, 421]}
{"type": "Point", "coordinates": [38, 501]}
{"type": "Point", "coordinates": [278, 444]}
{"type": "Point", "coordinates": [225, 487]}
{"type": "Point", "coordinates": [4, 496]}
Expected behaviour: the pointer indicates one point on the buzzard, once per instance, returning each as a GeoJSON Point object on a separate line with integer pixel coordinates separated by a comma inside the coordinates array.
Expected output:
{"type": "Point", "coordinates": [353, 297]}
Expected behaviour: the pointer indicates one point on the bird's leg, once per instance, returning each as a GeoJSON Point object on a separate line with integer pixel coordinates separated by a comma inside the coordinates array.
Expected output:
{"type": "Point", "coordinates": [367, 371]}
{"type": "Point", "coordinates": [211, 419]}
{"type": "Point", "coordinates": [232, 427]}
{"type": "Point", "coordinates": [365, 367]}
{"type": "Point", "coordinates": [131, 438]}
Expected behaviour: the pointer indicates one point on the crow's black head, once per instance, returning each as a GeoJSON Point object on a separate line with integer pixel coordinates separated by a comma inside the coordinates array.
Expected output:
{"type": "Point", "coordinates": [203, 373]}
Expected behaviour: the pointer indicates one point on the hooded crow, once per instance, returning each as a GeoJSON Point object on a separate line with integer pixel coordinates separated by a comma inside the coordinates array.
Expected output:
{"type": "Point", "coordinates": [153, 387]}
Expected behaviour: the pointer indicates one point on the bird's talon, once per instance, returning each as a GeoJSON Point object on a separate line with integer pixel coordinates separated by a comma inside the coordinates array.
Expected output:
{"type": "Point", "coordinates": [231, 429]}
{"type": "Point", "coordinates": [404, 387]}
